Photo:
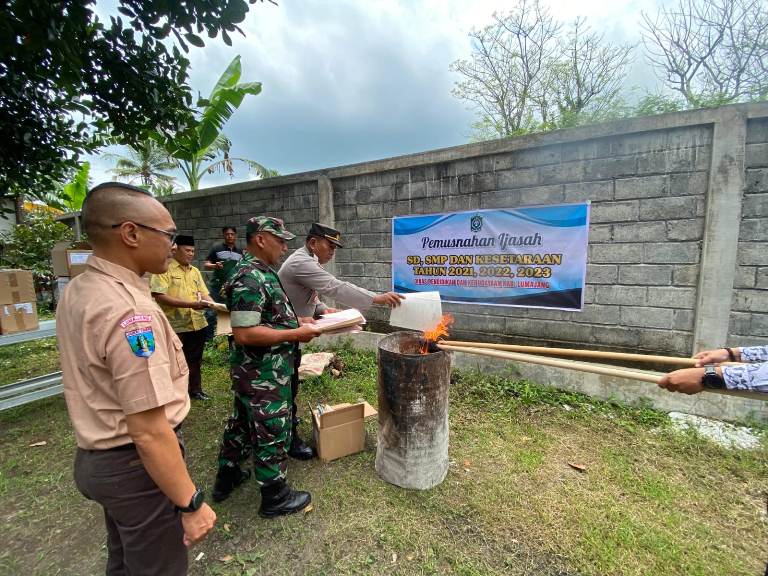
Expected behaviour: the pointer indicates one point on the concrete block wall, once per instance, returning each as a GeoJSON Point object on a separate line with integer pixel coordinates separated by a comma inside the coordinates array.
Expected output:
{"type": "Point", "coordinates": [749, 302]}
{"type": "Point", "coordinates": [647, 192]}
{"type": "Point", "coordinates": [203, 215]}
{"type": "Point", "coordinates": [656, 222]}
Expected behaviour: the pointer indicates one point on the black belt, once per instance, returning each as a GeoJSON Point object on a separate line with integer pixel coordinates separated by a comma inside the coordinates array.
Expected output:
{"type": "Point", "coordinates": [131, 445]}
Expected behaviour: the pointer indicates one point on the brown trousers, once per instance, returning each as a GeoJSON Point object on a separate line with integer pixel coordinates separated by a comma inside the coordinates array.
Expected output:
{"type": "Point", "coordinates": [144, 532]}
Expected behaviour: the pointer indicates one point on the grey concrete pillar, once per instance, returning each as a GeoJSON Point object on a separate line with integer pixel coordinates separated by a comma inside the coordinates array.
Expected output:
{"type": "Point", "coordinates": [721, 229]}
{"type": "Point", "coordinates": [325, 211]}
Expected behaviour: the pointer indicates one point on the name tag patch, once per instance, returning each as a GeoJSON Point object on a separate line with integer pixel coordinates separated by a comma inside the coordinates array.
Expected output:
{"type": "Point", "coordinates": [133, 319]}
{"type": "Point", "coordinates": [141, 341]}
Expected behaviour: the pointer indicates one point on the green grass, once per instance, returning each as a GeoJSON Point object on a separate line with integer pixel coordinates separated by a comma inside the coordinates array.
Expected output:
{"type": "Point", "coordinates": [651, 501]}
{"type": "Point", "coordinates": [28, 359]}
{"type": "Point", "coordinates": [44, 312]}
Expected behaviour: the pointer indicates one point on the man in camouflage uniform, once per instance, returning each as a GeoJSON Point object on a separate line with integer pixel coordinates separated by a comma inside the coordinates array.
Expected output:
{"type": "Point", "coordinates": [266, 331]}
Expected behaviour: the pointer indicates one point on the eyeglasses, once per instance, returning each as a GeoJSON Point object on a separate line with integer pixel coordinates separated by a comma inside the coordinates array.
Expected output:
{"type": "Point", "coordinates": [170, 235]}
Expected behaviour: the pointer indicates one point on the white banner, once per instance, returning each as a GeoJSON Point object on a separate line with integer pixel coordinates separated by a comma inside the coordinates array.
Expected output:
{"type": "Point", "coordinates": [532, 257]}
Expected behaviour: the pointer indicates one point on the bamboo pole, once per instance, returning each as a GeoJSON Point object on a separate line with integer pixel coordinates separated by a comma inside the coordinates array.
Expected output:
{"type": "Point", "coordinates": [586, 367]}
{"type": "Point", "coordinates": [575, 352]}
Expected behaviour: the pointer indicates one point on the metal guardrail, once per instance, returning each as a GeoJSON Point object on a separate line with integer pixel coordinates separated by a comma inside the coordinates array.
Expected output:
{"type": "Point", "coordinates": [18, 393]}
{"type": "Point", "coordinates": [47, 330]}
{"type": "Point", "coordinates": [25, 391]}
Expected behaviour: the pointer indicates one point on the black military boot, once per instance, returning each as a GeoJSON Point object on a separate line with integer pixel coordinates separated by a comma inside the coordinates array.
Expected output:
{"type": "Point", "coordinates": [227, 479]}
{"type": "Point", "coordinates": [278, 499]}
{"type": "Point", "coordinates": [298, 449]}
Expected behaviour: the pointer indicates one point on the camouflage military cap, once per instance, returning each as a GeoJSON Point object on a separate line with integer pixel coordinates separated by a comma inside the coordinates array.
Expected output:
{"type": "Point", "coordinates": [268, 224]}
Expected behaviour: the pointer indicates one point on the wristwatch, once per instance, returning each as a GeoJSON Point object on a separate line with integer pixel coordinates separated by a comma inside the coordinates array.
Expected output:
{"type": "Point", "coordinates": [711, 378]}
{"type": "Point", "coordinates": [194, 504]}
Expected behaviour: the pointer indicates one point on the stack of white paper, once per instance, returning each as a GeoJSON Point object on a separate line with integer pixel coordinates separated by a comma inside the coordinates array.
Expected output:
{"type": "Point", "coordinates": [344, 320]}
{"type": "Point", "coordinates": [419, 311]}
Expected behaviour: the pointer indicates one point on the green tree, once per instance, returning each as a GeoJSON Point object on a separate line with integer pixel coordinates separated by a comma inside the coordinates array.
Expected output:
{"type": "Point", "coordinates": [203, 148]}
{"type": "Point", "coordinates": [69, 79]}
{"type": "Point", "coordinates": [585, 79]}
{"type": "Point", "coordinates": [710, 52]}
{"type": "Point", "coordinates": [28, 246]}
{"type": "Point", "coordinates": [528, 72]}
{"type": "Point", "coordinates": [652, 104]}
{"type": "Point", "coordinates": [145, 163]}
{"type": "Point", "coordinates": [165, 189]}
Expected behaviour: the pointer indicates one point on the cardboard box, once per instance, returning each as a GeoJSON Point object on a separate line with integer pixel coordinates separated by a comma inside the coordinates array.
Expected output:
{"type": "Point", "coordinates": [19, 317]}
{"type": "Point", "coordinates": [339, 430]}
{"type": "Point", "coordinates": [69, 259]}
{"type": "Point", "coordinates": [76, 269]}
{"type": "Point", "coordinates": [76, 260]}
{"type": "Point", "coordinates": [59, 258]}
{"type": "Point", "coordinates": [16, 286]}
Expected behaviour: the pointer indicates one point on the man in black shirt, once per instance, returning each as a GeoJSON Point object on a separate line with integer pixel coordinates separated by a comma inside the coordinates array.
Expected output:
{"type": "Point", "coordinates": [222, 259]}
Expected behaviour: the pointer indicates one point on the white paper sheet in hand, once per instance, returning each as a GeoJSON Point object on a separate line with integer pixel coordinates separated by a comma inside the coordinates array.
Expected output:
{"type": "Point", "coordinates": [419, 311]}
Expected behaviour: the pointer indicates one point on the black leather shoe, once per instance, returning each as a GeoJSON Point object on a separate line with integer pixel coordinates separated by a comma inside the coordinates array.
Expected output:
{"type": "Point", "coordinates": [278, 499]}
{"type": "Point", "coordinates": [200, 396]}
{"type": "Point", "coordinates": [299, 450]}
{"type": "Point", "coordinates": [227, 479]}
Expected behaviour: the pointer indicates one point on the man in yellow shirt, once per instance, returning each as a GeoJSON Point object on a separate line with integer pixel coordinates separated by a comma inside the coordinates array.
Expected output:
{"type": "Point", "coordinates": [182, 295]}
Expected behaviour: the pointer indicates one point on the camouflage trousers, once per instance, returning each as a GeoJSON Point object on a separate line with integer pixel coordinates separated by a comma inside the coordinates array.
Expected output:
{"type": "Point", "coordinates": [260, 424]}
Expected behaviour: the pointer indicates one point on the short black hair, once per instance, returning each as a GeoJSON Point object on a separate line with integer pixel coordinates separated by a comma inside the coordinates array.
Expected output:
{"type": "Point", "coordinates": [123, 185]}
{"type": "Point", "coordinates": [117, 192]}
{"type": "Point", "coordinates": [225, 228]}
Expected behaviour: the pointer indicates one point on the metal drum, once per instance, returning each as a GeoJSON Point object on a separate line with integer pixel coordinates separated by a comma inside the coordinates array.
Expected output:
{"type": "Point", "coordinates": [412, 450]}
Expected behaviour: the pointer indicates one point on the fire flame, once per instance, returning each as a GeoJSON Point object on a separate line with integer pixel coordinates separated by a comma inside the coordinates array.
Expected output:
{"type": "Point", "coordinates": [439, 331]}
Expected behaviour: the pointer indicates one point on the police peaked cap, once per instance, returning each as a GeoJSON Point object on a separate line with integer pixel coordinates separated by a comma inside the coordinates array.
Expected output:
{"type": "Point", "coordinates": [322, 231]}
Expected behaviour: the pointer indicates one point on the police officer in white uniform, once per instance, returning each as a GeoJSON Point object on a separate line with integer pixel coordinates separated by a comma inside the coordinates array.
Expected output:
{"type": "Point", "coordinates": [304, 280]}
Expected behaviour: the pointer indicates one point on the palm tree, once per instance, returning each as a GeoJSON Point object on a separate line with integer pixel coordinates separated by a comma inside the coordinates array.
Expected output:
{"type": "Point", "coordinates": [145, 163]}
{"type": "Point", "coordinates": [203, 148]}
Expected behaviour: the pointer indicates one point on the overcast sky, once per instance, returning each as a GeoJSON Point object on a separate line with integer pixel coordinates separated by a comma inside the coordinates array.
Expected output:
{"type": "Point", "coordinates": [347, 81]}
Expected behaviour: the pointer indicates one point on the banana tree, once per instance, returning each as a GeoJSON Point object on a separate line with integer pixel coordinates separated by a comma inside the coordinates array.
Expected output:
{"type": "Point", "coordinates": [74, 191]}
{"type": "Point", "coordinates": [203, 148]}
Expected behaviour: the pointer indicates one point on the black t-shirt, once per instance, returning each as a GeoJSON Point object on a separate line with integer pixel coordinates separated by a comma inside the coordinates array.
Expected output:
{"type": "Point", "coordinates": [229, 256]}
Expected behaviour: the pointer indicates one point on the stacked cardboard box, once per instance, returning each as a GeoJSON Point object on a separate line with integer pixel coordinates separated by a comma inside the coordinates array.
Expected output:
{"type": "Point", "coordinates": [18, 308]}
{"type": "Point", "coordinates": [68, 261]}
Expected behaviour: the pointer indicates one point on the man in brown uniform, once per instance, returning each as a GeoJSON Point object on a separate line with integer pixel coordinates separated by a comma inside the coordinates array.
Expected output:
{"type": "Point", "coordinates": [125, 383]}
